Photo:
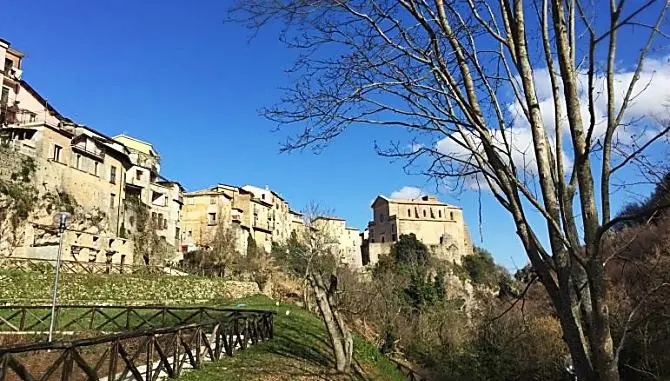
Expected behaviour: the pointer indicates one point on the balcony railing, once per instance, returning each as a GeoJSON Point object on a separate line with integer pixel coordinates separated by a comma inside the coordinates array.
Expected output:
{"type": "Point", "coordinates": [100, 154]}
{"type": "Point", "coordinates": [10, 115]}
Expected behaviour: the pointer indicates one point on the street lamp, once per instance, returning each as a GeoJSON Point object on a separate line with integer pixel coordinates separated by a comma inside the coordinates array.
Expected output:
{"type": "Point", "coordinates": [60, 219]}
{"type": "Point", "coordinates": [570, 367]}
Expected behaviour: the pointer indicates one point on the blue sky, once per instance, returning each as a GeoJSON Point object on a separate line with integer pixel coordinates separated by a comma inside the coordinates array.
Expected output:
{"type": "Point", "coordinates": [174, 74]}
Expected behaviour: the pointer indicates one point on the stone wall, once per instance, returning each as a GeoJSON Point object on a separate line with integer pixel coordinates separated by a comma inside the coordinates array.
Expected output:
{"type": "Point", "coordinates": [91, 237]}
{"type": "Point", "coordinates": [19, 287]}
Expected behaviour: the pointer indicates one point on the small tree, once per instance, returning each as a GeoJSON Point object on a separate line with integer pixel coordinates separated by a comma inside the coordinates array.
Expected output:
{"type": "Point", "coordinates": [150, 248]}
{"type": "Point", "coordinates": [409, 250]}
{"type": "Point", "coordinates": [223, 248]}
{"type": "Point", "coordinates": [482, 269]}
{"type": "Point", "coordinates": [318, 245]}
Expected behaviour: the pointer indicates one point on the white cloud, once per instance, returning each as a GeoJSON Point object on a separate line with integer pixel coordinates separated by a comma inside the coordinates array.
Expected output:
{"type": "Point", "coordinates": [408, 193]}
{"type": "Point", "coordinates": [650, 102]}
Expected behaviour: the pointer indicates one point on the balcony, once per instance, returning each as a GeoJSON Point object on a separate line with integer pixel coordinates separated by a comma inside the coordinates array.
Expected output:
{"type": "Point", "coordinates": [12, 115]}
{"type": "Point", "coordinates": [98, 154]}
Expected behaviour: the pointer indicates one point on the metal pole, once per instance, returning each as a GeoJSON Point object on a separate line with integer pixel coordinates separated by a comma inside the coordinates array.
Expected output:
{"type": "Point", "coordinates": [54, 293]}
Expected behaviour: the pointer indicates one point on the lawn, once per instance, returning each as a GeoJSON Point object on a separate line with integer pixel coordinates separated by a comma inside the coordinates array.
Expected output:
{"type": "Point", "coordinates": [299, 351]}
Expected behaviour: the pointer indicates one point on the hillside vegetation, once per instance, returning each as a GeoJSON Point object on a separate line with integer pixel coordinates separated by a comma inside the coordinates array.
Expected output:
{"type": "Point", "coordinates": [300, 350]}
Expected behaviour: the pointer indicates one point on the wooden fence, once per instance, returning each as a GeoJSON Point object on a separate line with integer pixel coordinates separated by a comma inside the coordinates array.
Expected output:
{"type": "Point", "coordinates": [140, 355]}
{"type": "Point", "coordinates": [108, 318]}
{"type": "Point", "coordinates": [82, 267]}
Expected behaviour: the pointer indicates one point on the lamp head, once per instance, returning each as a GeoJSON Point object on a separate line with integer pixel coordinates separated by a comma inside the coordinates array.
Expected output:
{"type": "Point", "coordinates": [60, 220]}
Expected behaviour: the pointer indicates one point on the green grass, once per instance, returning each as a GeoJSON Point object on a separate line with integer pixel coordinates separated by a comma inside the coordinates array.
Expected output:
{"type": "Point", "coordinates": [299, 351]}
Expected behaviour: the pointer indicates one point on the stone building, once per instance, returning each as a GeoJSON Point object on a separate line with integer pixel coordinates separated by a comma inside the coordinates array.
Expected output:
{"type": "Point", "coordinates": [219, 207]}
{"type": "Point", "coordinates": [146, 188]}
{"type": "Point", "coordinates": [297, 223]}
{"type": "Point", "coordinates": [346, 240]}
{"type": "Point", "coordinates": [75, 167]}
{"type": "Point", "coordinates": [279, 218]}
{"type": "Point", "coordinates": [438, 225]}
{"type": "Point", "coordinates": [252, 211]}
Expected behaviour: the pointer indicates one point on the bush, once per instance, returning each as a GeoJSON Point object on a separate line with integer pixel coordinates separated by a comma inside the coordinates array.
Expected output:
{"type": "Point", "coordinates": [410, 251]}
{"type": "Point", "coordinates": [482, 269]}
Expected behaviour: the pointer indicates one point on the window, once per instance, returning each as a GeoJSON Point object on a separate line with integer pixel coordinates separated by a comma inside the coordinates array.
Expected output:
{"type": "Point", "coordinates": [8, 65]}
{"type": "Point", "coordinates": [57, 151]}
{"type": "Point", "coordinates": [5, 96]}
{"type": "Point", "coordinates": [439, 213]}
{"type": "Point", "coordinates": [409, 212]}
{"type": "Point", "coordinates": [112, 200]}
{"type": "Point", "coordinates": [382, 239]}
{"type": "Point", "coordinates": [451, 216]}
{"type": "Point", "coordinates": [212, 200]}
{"type": "Point", "coordinates": [190, 233]}
{"type": "Point", "coordinates": [176, 233]}
{"type": "Point", "coordinates": [381, 217]}
{"type": "Point", "coordinates": [78, 162]}
{"type": "Point", "coordinates": [112, 175]}
{"type": "Point", "coordinates": [432, 213]}
{"type": "Point", "coordinates": [211, 218]}
{"type": "Point", "coordinates": [393, 237]}
{"type": "Point", "coordinates": [164, 222]}
{"type": "Point", "coordinates": [424, 212]}
{"type": "Point", "coordinates": [263, 196]}
{"type": "Point", "coordinates": [138, 174]}
{"type": "Point", "coordinates": [95, 168]}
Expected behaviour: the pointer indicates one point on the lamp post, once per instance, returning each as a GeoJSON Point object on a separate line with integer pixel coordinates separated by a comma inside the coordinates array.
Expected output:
{"type": "Point", "coordinates": [60, 219]}
{"type": "Point", "coordinates": [570, 367]}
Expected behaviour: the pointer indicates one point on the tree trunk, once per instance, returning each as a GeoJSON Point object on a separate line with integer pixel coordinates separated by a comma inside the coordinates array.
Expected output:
{"type": "Point", "coordinates": [340, 337]}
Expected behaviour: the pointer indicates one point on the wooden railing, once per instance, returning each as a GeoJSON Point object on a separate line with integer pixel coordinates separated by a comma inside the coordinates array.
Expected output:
{"type": "Point", "coordinates": [142, 355]}
{"type": "Point", "coordinates": [83, 318]}
{"type": "Point", "coordinates": [82, 267]}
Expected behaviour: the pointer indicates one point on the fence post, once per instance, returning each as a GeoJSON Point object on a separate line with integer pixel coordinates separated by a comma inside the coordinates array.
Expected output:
{"type": "Point", "coordinates": [3, 367]}
{"type": "Point", "coordinates": [198, 345]}
{"type": "Point", "coordinates": [90, 326]}
{"type": "Point", "coordinates": [177, 358]}
{"type": "Point", "coordinates": [22, 324]}
{"type": "Point", "coordinates": [113, 354]}
{"type": "Point", "coordinates": [150, 355]}
{"type": "Point", "coordinates": [67, 365]}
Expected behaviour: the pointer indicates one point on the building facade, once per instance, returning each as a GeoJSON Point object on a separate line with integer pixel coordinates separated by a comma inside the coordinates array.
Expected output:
{"type": "Point", "coordinates": [75, 168]}
{"type": "Point", "coordinates": [438, 225]}
{"type": "Point", "coordinates": [145, 188]}
{"type": "Point", "coordinates": [278, 217]}
{"type": "Point", "coordinates": [219, 207]}
{"type": "Point", "coordinates": [345, 241]}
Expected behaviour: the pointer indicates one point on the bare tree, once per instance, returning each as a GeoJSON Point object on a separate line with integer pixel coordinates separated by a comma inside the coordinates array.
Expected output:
{"type": "Point", "coordinates": [320, 245]}
{"type": "Point", "coordinates": [523, 98]}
